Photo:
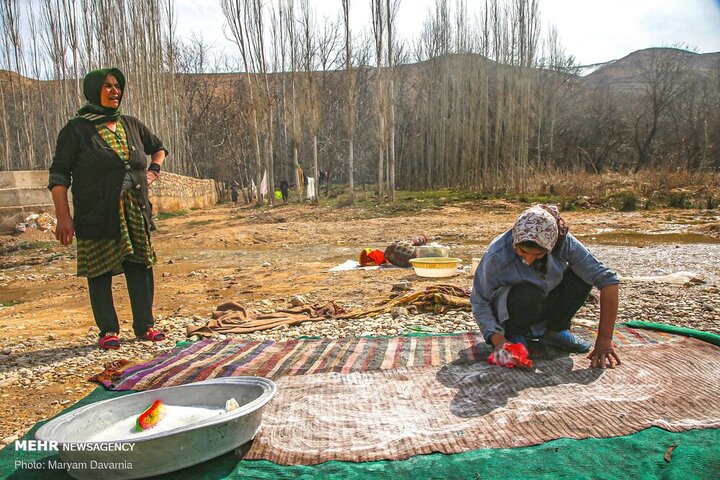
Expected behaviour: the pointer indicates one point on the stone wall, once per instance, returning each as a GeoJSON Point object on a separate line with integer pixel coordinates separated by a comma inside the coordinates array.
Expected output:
{"type": "Point", "coordinates": [25, 192]}
{"type": "Point", "coordinates": [171, 193]}
{"type": "Point", "coordinates": [22, 193]}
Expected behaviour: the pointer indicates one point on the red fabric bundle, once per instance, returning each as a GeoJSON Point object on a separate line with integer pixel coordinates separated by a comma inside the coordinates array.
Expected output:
{"type": "Point", "coordinates": [370, 257]}
{"type": "Point", "coordinates": [511, 355]}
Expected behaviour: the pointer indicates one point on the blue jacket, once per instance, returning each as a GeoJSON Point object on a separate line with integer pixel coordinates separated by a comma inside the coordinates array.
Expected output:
{"type": "Point", "coordinates": [501, 268]}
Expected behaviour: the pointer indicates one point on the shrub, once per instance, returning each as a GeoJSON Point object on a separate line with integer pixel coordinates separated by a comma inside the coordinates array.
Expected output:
{"type": "Point", "coordinates": [567, 206]}
{"type": "Point", "coordinates": [628, 202]}
{"type": "Point", "coordinates": [678, 200]}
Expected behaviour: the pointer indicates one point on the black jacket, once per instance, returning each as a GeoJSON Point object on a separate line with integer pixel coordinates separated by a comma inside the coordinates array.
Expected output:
{"type": "Point", "coordinates": [96, 173]}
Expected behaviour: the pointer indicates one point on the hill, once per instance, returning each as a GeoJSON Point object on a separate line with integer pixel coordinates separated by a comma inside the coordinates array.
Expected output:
{"type": "Point", "coordinates": [622, 74]}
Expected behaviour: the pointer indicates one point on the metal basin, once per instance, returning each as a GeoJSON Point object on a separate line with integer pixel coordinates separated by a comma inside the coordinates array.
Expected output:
{"type": "Point", "coordinates": [99, 441]}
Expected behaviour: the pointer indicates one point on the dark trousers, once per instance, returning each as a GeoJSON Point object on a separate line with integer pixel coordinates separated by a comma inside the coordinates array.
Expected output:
{"type": "Point", "coordinates": [526, 305]}
{"type": "Point", "coordinates": [141, 290]}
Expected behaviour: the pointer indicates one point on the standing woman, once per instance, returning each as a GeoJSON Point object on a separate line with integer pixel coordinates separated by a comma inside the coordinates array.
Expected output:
{"type": "Point", "coordinates": [102, 154]}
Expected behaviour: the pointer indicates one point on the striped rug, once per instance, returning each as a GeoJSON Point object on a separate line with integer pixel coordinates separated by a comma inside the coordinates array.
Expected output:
{"type": "Point", "coordinates": [236, 357]}
{"type": "Point", "coordinates": [405, 412]}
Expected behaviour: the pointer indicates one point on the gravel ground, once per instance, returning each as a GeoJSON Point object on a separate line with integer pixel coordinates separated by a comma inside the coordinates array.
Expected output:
{"type": "Point", "coordinates": [30, 365]}
{"type": "Point", "coordinates": [42, 374]}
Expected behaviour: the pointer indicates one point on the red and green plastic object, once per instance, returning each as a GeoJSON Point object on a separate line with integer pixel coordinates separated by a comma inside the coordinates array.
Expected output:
{"type": "Point", "coordinates": [150, 417]}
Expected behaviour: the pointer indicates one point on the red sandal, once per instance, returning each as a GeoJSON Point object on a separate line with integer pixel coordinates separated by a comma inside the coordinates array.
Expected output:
{"type": "Point", "coordinates": [152, 335]}
{"type": "Point", "coordinates": [109, 341]}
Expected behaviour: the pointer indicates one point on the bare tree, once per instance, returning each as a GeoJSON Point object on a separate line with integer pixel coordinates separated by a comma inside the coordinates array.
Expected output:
{"type": "Point", "coordinates": [295, 104]}
{"type": "Point", "coordinates": [663, 74]}
{"type": "Point", "coordinates": [350, 79]}
{"type": "Point", "coordinates": [391, 8]}
{"type": "Point", "coordinates": [378, 26]}
{"type": "Point", "coordinates": [313, 103]}
{"type": "Point", "coordinates": [237, 13]}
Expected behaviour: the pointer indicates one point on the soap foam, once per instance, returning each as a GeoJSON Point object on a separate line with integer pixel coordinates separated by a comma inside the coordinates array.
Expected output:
{"type": "Point", "coordinates": [175, 416]}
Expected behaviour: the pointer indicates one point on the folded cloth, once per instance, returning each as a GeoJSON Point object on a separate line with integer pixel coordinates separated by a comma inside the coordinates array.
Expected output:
{"type": "Point", "coordinates": [113, 370]}
{"type": "Point", "coordinates": [232, 317]}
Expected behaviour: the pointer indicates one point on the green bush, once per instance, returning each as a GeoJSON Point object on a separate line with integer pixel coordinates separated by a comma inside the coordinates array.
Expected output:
{"type": "Point", "coordinates": [567, 206]}
{"type": "Point", "coordinates": [678, 201]}
{"type": "Point", "coordinates": [628, 202]}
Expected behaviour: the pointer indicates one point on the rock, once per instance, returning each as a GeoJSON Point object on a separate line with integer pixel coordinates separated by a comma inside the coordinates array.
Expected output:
{"type": "Point", "coordinates": [298, 301]}
{"type": "Point", "coordinates": [399, 311]}
{"type": "Point", "coordinates": [267, 264]}
{"type": "Point", "coordinates": [402, 287]}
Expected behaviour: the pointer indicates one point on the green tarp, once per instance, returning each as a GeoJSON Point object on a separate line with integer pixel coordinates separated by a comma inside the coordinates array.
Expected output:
{"type": "Point", "coordinates": [641, 456]}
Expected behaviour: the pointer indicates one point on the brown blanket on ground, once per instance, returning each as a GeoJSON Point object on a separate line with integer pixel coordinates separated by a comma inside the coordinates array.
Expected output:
{"type": "Point", "coordinates": [399, 413]}
{"type": "Point", "coordinates": [435, 299]}
{"type": "Point", "coordinates": [232, 317]}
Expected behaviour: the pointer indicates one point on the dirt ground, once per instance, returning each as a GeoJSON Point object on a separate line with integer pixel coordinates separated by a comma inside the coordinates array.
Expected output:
{"type": "Point", "coordinates": [258, 257]}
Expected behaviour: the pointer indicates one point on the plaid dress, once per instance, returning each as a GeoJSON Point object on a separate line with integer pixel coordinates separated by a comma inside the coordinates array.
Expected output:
{"type": "Point", "coordinates": [97, 257]}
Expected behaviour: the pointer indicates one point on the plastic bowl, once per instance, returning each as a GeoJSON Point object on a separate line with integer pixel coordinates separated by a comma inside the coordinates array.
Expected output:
{"type": "Point", "coordinates": [435, 267]}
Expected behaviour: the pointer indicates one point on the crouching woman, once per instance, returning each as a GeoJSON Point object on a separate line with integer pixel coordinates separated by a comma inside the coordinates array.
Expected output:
{"type": "Point", "coordinates": [534, 278]}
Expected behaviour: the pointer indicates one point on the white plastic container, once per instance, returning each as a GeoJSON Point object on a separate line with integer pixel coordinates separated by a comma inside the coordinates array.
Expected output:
{"type": "Point", "coordinates": [475, 263]}
{"type": "Point", "coordinates": [432, 250]}
{"type": "Point", "coordinates": [436, 267]}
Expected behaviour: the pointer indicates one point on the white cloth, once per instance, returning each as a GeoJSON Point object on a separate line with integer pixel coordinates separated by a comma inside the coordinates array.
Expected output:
{"type": "Point", "coordinates": [311, 188]}
{"type": "Point", "coordinates": [354, 265]}
{"type": "Point", "coordinates": [263, 184]}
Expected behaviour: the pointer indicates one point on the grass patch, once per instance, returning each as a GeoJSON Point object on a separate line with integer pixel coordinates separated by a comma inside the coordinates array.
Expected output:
{"type": "Point", "coordinates": [9, 303]}
{"type": "Point", "coordinates": [414, 201]}
{"type": "Point", "coordinates": [27, 245]}
{"type": "Point", "coordinates": [166, 215]}
{"type": "Point", "coordinates": [38, 244]}
{"type": "Point", "coordinates": [196, 223]}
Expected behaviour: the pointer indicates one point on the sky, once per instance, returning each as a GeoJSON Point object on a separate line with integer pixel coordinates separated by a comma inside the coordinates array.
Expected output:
{"type": "Point", "coordinates": [593, 31]}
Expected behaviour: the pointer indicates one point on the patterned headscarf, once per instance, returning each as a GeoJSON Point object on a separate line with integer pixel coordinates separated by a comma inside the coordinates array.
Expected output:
{"type": "Point", "coordinates": [92, 84]}
{"type": "Point", "coordinates": [541, 224]}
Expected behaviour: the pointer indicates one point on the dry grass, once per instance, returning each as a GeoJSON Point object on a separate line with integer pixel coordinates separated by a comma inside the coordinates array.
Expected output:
{"type": "Point", "coordinates": [649, 188]}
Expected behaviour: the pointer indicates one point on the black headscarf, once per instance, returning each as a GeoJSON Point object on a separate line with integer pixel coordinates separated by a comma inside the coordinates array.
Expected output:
{"type": "Point", "coordinates": [93, 111]}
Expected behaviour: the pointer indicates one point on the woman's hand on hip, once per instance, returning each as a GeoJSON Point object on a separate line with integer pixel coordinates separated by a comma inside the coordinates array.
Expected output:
{"type": "Point", "coordinates": [151, 176]}
{"type": "Point", "coordinates": [65, 230]}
